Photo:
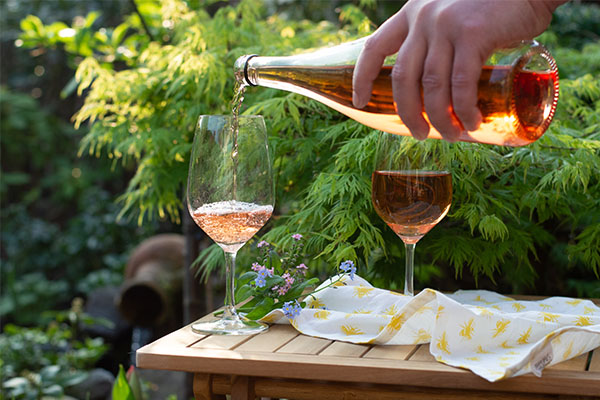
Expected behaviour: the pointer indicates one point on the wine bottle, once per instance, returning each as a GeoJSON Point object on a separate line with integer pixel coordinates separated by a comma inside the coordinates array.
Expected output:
{"type": "Point", "coordinates": [517, 92]}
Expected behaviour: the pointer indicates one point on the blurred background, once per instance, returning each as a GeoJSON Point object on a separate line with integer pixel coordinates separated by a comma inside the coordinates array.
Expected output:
{"type": "Point", "coordinates": [98, 101]}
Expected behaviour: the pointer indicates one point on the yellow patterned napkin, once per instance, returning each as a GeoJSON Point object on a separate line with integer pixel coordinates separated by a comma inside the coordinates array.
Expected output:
{"type": "Point", "coordinates": [492, 335]}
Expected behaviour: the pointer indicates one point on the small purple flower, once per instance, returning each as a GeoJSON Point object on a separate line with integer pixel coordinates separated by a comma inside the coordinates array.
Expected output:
{"type": "Point", "coordinates": [282, 290]}
{"type": "Point", "coordinates": [256, 267]}
{"type": "Point", "coordinates": [302, 269]}
{"type": "Point", "coordinates": [291, 309]}
{"type": "Point", "coordinates": [348, 267]}
{"type": "Point", "coordinates": [262, 243]}
{"type": "Point", "coordinates": [296, 236]}
{"type": "Point", "coordinates": [289, 281]}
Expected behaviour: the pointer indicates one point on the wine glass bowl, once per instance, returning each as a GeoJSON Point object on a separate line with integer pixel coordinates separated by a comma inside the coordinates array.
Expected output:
{"type": "Point", "coordinates": [230, 196]}
{"type": "Point", "coordinates": [411, 191]}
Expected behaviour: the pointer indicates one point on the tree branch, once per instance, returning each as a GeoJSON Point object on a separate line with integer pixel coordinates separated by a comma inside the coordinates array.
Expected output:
{"type": "Point", "coordinates": [137, 11]}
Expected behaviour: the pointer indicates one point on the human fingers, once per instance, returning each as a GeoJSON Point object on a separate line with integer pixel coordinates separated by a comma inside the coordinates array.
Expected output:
{"type": "Point", "coordinates": [385, 41]}
{"type": "Point", "coordinates": [406, 85]}
{"type": "Point", "coordinates": [466, 70]}
{"type": "Point", "coordinates": [437, 97]}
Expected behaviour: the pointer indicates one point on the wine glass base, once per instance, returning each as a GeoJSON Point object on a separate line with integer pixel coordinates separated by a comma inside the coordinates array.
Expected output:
{"type": "Point", "coordinates": [233, 326]}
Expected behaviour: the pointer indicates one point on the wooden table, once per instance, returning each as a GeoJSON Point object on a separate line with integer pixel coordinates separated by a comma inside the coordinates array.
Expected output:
{"type": "Point", "coordinates": [281, 363]}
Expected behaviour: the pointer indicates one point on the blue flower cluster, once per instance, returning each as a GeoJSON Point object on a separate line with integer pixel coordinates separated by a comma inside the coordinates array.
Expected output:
{"type": "Point", "coordinates": [348, 267]}
{"type": "Point", "coordinates": [263, 274]}
{"type": "Point", "coordinates": [291, 309]}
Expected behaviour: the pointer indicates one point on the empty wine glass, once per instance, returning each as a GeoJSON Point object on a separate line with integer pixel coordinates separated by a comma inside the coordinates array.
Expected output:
{"type": "Point", "coordinates": [411, 190]}
{"type": "Point", "coordinates": [230, 196]}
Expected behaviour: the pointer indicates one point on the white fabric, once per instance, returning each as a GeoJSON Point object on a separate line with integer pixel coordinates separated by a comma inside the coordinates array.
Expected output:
{"type": "Point", "coordinates": [492, 335]}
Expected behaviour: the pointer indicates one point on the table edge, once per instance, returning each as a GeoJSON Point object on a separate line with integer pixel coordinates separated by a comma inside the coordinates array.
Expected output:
{"type": "Point", "coordinates": [375, 371]}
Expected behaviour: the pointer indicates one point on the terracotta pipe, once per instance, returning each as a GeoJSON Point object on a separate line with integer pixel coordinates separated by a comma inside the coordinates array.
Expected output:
{"type": "Point", "coordinates": [153, 280]}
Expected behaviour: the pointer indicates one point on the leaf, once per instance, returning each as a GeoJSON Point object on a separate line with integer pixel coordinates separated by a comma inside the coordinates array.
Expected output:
{"type": "Point", "coordinates": [274, 280]}
{"type": "Point", "coordinates": [121, 389]}
{"type": "Point", "coordinates": [135, 384]}
{"type": "Point", "coordinates": [91, 18]}
{"type": "Point", "coordinates": [492, 228]}
{"type": "Point", "coordinates": [297, 291]}
{"type": "Point", "coordinates": [587, 247]}
{"type": "Point", "coordinates": [243, 292]}
{"type": "Point", "coordinates": [33, 24]}
{"type": "Point", "coordinates": [247, 276]}
{"type": "Point", "coordinates": [118, 34]}
{"type": "Point", "coordinates": [53, 391]}
{"type": "Point", "coordinates": [261, 309]}
{"type": "Point", "coordinates": [15, 382]}
{"type": "Point", "coordinates": [69, 88]}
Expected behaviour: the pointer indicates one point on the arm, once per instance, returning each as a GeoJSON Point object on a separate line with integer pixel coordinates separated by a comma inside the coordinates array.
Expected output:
{"type": "Point", "coordinates": [442, 46]}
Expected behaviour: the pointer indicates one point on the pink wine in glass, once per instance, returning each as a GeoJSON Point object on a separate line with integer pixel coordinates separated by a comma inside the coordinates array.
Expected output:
{"type": "Point", "coordinates": [411, 202]}
{"type": "Point", "coordinates": [231, 223]}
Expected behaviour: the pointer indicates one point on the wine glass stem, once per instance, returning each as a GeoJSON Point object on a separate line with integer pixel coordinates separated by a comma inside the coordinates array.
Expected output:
{"type": "Point", "coordinates": [409, 270]}
{"type": "Point", "coordinates": [229, 311]}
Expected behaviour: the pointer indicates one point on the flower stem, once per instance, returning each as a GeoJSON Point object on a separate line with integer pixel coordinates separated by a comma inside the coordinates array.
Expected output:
{"type": "Point", "coordinates": [339, 278]}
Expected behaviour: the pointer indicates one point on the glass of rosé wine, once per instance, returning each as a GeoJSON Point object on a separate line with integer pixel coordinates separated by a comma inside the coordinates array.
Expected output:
{"type": "Point", "coordinates": [230, 196]}
{"type": "Point", "coordinates": [411, 190]}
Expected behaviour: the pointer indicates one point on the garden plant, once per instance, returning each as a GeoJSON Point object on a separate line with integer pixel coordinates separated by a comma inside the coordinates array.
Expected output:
{"type": "Point", "coordinates": [522, 217]}
{"type": "Point", "coordinates": [522, 220]}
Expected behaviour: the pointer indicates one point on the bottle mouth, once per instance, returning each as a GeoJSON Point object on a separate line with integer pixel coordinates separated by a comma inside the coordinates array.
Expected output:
{"type": "Point", "coordinates": [240, 70]}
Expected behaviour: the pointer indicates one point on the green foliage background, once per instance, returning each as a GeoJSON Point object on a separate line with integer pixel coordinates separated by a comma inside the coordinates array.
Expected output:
{"type": "Point", "coordinates": [522, 220]}
{"type": "Point", "coordinates": [59, 232]}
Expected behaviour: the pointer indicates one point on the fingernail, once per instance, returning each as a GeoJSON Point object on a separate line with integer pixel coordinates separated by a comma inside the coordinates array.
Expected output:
{"type": "Point", "coordinates": [358, 101]}
{"type": "Point", "coordinates": [420, 134]}
{"type": "Point", "coordinates": [474, 125]}
{"type": "Point", "coordinates": [461, 135]}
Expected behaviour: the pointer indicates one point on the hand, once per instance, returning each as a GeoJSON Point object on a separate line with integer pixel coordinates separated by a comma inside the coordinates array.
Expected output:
{"type": "Point", "coordinates": [442, 46]}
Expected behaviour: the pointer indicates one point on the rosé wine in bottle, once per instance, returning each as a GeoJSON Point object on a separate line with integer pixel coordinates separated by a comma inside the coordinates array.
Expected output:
{"type": "Point", "coordinates": [517, 95]}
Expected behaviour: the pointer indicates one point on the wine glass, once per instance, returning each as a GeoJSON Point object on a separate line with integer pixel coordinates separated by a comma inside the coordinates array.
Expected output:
{"type": "Point", "coordinates": [411, 190]}
{"type": "Point", "coordinates": [230, 196]}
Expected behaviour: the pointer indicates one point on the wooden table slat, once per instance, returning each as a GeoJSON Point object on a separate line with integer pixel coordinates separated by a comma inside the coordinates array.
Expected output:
{"type": "Point", "coordinates": [183, 337]}
{"type": "Point", "coordinates": [574, 364]}
{"type": "Point", "coordinates": [305, 345]}
{"type": "Point", "coordinates": [422, 354]}
{"type": "Point", "coordinates": [225, 342]}
{"type": "Point", "coordinates": [343, 349]}
{"type": "Point", "coordinates": [391, 352]}
{"type": "Point", "coordinates": [595, 363]}
{"type": "Point", "coordinates": [273, 339]}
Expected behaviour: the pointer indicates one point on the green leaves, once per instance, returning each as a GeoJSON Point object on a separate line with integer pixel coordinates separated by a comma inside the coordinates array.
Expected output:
{"type": "Point", "coordinates": [39, 362]}
{"type": "Point", "coordinates": [262, 308]}
{"type": "Point", "coordinates": [511, 206]}
{"type": "Point", "coordinates": [121, 389]}
{"type": "Point", "coordinates": [587, 246]}
{"type": "Point", "coordinates": [128, 385]}
{"type": "Point", "coordinates": [492, 228]}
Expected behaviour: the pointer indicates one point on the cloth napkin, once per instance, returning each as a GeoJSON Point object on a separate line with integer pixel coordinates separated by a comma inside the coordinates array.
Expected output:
{"type": "Point", "coordinates": [492, 335]}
